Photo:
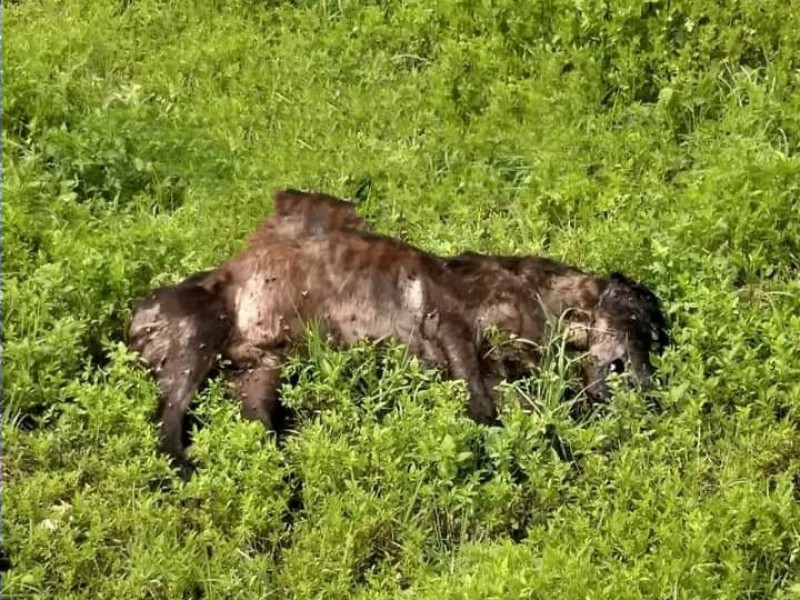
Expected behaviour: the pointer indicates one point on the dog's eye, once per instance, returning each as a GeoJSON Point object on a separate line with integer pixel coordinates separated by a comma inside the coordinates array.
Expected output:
{"type": "Point", "coordinates": [617, 366]}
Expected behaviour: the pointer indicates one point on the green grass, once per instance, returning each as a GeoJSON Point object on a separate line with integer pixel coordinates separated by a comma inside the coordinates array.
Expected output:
{"type": "Point", "coordinates": [142, 141]}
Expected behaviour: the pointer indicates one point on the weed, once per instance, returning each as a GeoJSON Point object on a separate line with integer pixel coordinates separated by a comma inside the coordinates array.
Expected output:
{"type": "Point", "coordinates": [142, 142]}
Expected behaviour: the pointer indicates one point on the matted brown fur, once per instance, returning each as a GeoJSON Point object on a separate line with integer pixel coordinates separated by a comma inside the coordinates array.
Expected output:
{"type": "Point", "coordinates": [617, 321]}
{"type": "Point", "coordinates": [313, 260]}
{"type": "Point", "coordinates": [253, 308]}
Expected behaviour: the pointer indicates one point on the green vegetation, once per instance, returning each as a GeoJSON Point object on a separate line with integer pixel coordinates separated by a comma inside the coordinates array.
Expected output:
{"type": "Point", "coordinates": [142, 141]}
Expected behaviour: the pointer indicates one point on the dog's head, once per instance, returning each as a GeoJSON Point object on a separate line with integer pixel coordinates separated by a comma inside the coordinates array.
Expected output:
{"type": "Point", "coordinates": [627, 326]}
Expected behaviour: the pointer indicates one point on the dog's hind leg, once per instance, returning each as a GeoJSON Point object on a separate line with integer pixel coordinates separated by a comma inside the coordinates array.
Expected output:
{"type": "Point", "coordinates": [257, 389]}
{"type": "Point", "coordinates": [179, 332]}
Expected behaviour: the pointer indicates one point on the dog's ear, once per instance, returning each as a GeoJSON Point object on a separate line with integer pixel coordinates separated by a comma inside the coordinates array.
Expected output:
{"type": "Point", "coordinates": [317, 211]}
{"type": "Point", "coordinates": [661, 336]}
{"type": "Point", "coordinates": [634, 298]}
{"type": "Point", "coordinates": [286, 200]}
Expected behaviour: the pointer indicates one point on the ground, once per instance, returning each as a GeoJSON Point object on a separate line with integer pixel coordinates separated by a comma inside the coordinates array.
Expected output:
{"type": "Point", "coordinates": [142, 141]}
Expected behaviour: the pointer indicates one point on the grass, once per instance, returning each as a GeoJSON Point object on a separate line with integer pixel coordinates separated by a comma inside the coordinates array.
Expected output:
{"type": "Point", "coordinates": [142, 141]}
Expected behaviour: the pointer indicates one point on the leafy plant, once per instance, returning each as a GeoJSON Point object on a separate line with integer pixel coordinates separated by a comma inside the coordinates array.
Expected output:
{"type": "Point", "coordinates": [142, 142]}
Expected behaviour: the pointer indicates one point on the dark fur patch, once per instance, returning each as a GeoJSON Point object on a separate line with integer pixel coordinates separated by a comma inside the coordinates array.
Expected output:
{"type": "Point", "coordinates": [253, 308]}
{"type": "Point", "coordinates": [314, 259]}
{"type": "Point", "coordinates": [636, 308]}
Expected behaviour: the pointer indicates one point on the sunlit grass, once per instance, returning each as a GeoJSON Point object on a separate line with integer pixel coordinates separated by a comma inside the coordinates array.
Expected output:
{"type": "Point", "coordinates": [142, 142]}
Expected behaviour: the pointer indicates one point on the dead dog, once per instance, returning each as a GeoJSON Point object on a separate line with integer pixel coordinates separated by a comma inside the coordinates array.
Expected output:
{"type": "Point", "coordinates": [617, 321]}
{"type": "Point", "coordinates": [254, 307]}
